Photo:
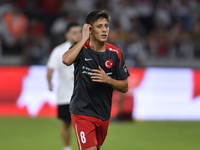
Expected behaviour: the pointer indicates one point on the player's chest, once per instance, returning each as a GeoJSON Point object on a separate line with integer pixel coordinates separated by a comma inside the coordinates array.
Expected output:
{"type": "Point", "coordinates": [91, 61]}
{"type": "Point", "coordinates": [94, 60]}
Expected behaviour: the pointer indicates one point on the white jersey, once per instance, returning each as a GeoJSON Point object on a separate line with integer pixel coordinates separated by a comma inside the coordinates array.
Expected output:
{"type": "Point", "coordinates": [66, 73]}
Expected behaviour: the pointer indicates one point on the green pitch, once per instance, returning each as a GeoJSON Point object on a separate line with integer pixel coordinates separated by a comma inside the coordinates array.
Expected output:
{"type": "Point", "coordinates": [43, 134]}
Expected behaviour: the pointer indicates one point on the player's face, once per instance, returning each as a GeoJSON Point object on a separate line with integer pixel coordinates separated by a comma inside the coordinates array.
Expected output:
{"type": "Point", "coordinates": [100, 30]}
{"type": "Point", "coordinates": [74, 34]}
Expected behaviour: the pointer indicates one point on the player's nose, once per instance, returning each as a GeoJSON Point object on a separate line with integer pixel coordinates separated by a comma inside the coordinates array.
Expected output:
{"type": "Point", "coordinates": [104, 29]}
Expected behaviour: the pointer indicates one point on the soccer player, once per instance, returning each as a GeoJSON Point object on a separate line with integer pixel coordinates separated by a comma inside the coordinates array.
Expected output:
{"type": "Point", "coordinates": [66, 80]}
{"type": "Point", "coordinates": [99, 68]}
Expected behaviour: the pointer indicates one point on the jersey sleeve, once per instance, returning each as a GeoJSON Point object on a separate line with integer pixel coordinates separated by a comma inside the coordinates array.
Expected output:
{"type": "Point", "coordinates": [53, 61]}
{"type": "Point", "coordinates": [121, 69]}
{"type": "Point", "coordinates": [73, 45]}
{"type": "Point", "coordinates": [77, 58]}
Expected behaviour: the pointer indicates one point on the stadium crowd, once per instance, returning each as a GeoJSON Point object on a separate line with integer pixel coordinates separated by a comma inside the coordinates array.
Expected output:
{"type": "Point", "coordinates": [141, 28]}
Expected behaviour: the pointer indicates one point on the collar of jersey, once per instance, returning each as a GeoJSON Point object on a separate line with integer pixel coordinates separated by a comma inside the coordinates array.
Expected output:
{"type": "Point", "coordinates": [87, 46]}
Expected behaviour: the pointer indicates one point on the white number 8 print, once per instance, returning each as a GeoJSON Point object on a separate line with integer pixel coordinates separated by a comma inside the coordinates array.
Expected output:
{"type": "Point", "coordinates": [83, 139]}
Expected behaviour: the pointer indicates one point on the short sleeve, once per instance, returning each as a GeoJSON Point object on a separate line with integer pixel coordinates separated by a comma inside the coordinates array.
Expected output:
{"type": "Point", "coordinates": [53, 61]}
{"type": "Point", "coordinates": [77, 58]}
{"type": "Point", "coordinates": [73, 45]}
{"type": "Point", "coordinates": [121, 69]}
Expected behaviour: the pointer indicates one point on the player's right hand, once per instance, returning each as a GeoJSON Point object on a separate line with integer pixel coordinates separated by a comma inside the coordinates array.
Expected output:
{"type": "Point", "coordinates": [86, 31]}
{"type": "Point", "coordinates": [50, 86]}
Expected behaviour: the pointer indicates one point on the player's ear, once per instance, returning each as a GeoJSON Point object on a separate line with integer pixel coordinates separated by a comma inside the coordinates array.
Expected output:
{"type": "Point", "coordinates": [90, 29]}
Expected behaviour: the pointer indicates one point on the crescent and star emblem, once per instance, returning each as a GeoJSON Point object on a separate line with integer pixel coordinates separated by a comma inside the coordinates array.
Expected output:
{"type": "Point", "coordinates": [109, 63]}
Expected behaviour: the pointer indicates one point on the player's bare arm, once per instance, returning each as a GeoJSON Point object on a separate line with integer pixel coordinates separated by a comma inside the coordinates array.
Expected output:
{"type": "Point", "coordinates": [69, 56]}
{"type": "Point", "coordinates": [49, 77]}
{"type": "Point", "coordinates": [102, 77]}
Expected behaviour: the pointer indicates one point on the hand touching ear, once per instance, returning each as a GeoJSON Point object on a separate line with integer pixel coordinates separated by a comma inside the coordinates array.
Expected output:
{"type": "Point", "coordinates": [86, 30]}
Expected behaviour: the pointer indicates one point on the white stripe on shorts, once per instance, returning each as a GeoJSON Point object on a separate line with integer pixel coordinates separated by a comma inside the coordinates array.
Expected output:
{"type": "Point", "coordinates": [79, 143]}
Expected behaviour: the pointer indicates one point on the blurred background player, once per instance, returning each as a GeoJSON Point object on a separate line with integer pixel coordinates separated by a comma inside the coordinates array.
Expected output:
{"type": "Point", "coordinates": [66, 80]}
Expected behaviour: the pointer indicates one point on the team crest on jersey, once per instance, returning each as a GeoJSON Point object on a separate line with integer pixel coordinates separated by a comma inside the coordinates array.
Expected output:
{"type": "Point", "coordinates": [109, 63]}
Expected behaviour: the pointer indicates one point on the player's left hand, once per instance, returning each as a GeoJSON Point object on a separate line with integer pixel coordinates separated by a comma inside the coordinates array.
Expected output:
{"type": "Point", "coordinates": [99, 75]}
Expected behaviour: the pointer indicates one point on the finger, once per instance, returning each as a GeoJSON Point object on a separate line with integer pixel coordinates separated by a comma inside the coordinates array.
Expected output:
{"type": "Point", "coordinates": [95, 77]}
{"type": "Point", "coordinates": [88, 26]}
{"type": "Point", "coordinates": [100, 68]}
{"type": "Point", "coordinates": [97, 80]}
{"type": "Point", "coordinates": [94, 74]}
{"type": "Point", "coordinates": [95, 70]}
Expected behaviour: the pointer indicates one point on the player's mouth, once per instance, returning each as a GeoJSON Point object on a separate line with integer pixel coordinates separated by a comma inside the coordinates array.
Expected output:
{"type": "Point", "coordinates": [104, 36]}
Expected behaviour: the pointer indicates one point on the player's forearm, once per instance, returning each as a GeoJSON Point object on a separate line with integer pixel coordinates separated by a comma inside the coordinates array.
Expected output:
{"type": "Point", "coordinates": [119, 85]}
{"type": "Point", "coordinates": [70, 55]}
{"type": "Point", "coordinates": [49, 74]}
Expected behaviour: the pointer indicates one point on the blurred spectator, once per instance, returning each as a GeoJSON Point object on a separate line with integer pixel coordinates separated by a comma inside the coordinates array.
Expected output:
{"type": "Point", "coordinates": [37, 45]}
{"type": "Point", "coordinates": [197, 29]}
{"type": "Point", "coordinates": [58, 29]}
{"type": "Point", "coordinates": [36, 51]}
{"type": "Point", "coordinates": [145, 10]}
{"type": "Point", "coordinates": [113, 8]}
{"type": "Point", "coordinates": [114, 39]}
{"type": "Point", "coordinates": [101, 4]}
{"type": "Point", "coordinates": [137, 26]}
{"type": "Point", "coordinates": [129, 11]}
{"type": "Point", "coordinates": [162, 41]}
{"type": "Point", "coordinates": [5, 7]}
{"type": "Point", "coordinates": [69, 7]}
{"type": "Point", "coordinates": [157, 41]}
{"type": "Point", "coordinates": [14, 24]}
{"type": "Point", "coordinates": [181, 8]}
{"type": "Point", "coordinates": [33, 10]}
{"type": "Point", "coordinates": [51, 11]}
{"type": "Point", "coordinates": [136, 52]}
{"type": "Point", "coordinates": [186, 47]}
{"type": "Point", "coordinates": [197, 49]}
{"type": "Point", "coordinates": [197, 39]}
{"type": "Point", "coordinates": [163, 13]}
{"type": "Point", "coordinates": [84, 6]}
{"type": "Point", "coordinates": [36, 27]}
{"type": "Point", "coordinates": [152, 43]}
{"type": "Point", "coordinates": [174, 39]}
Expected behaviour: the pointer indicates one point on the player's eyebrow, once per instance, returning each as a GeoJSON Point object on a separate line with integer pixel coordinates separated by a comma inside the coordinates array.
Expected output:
{"type": "Point", "coordinates": [102, 24]}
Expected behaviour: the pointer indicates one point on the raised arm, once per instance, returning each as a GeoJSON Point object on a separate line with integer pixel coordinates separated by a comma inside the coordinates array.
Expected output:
{"type": "Point", "coordinates": [70, 55]}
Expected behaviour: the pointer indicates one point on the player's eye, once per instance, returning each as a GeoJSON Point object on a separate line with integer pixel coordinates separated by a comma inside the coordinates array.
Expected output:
{"type": "Point", "coordinates": [99, 26]}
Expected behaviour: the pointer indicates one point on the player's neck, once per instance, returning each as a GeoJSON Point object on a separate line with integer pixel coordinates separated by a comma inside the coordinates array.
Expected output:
{"type": "Point", "coordinates": [97, 46]}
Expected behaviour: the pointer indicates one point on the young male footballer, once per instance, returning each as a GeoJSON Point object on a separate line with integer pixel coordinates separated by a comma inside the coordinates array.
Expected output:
{"type": "Point", "coordinates": [99, 68]}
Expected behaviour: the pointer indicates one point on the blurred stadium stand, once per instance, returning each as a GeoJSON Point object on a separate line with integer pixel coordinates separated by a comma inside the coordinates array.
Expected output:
{"type": "Point", "coordinates": [159, 33]}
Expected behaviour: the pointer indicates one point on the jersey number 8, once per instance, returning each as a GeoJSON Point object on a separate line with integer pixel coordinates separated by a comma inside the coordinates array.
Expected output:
{"type": "Point", "coordinates": [83, 139]}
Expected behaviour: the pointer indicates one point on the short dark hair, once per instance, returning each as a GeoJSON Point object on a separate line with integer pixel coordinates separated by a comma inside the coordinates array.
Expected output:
{"type": "Point", "coordinates": [95, 15]}
{"type": "Point", "coordinates": [72, 24]}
